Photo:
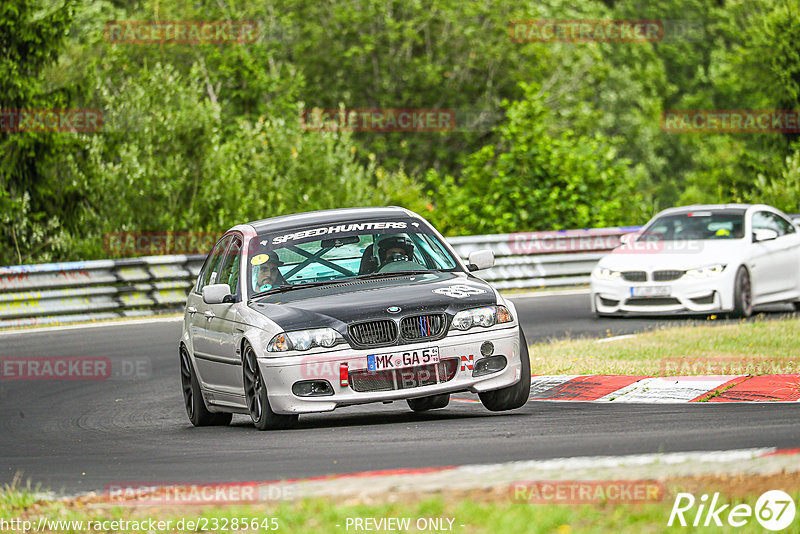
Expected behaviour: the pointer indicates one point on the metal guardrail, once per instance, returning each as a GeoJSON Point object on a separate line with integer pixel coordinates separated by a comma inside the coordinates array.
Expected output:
{"type": "Point", "coordinates": [57, 293]}
{"type": "Point", "coordinates": [542, 259]}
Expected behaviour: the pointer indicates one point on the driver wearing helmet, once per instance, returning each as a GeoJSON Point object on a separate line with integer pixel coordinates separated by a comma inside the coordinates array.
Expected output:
{"type": "Point", "coordinates": [395, 248]}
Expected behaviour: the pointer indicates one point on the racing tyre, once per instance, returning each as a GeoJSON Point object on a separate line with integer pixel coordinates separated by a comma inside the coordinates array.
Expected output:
{"type": "Point", "coordinates": [193, 399]}
{"type": "Point", "coordinates": [255, 393]}
{"type": "Point", "coordinates": [433, 402]}
{"type": "Point", "coordinates": [511, 397]}
{"type": "Point", "coordinates": [742, 294]}
{"type": "Point", "coordinates": [796, 306]}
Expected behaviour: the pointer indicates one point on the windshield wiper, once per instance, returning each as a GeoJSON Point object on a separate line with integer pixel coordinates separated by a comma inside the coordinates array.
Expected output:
{"type": "Point", "coordinates": [286, 287]}
{"type": "Point", "coordinates": [389, 274]}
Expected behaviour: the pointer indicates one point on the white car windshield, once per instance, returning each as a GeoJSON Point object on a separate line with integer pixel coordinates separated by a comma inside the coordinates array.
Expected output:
{"type": "Point", "coordinates": [693, 225]}
{"type": "Point", "coordinates": [344, 251]}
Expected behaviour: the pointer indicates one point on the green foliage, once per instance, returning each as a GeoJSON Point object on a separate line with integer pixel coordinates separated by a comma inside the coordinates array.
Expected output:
{"type": "Point", "coordinates": [448, 54]}
{"type": "Point", "coordinates": [171, 161]}
{"type": "Point", "coordinates": [532, 180]}
{"type": "Point", "coordinates": [145, 169]}
{"type": "Point", "coordinates": [273, 167]}
{"type": "Point", "coordinates": [782, 191]}
{"type": "Point", "coordinates": [748, 60]}
{"type": "Point", "coordinates": [34, 203]}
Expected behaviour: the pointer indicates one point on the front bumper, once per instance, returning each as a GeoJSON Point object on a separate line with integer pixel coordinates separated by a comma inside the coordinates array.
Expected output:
{"type": "Point", "coordinates": [703, 295]}
{"type": "Point", "coordinates": [281, 373]}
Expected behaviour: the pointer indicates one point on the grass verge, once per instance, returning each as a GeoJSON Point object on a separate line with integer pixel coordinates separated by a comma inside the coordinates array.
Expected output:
{"type": "Point", "coordinates": [753, 347]}
{"type": "Point", "coordinates": [490, 511]}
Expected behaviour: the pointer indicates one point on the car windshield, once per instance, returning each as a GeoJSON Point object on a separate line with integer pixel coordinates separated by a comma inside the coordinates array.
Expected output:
{"type": "Point", "coordinates": [327, 254]}
{"type": "Point", "coordinates": [693, 225]}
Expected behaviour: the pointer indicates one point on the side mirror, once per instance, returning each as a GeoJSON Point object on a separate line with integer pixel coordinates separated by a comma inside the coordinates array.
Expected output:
{"type": "Point", "coordinates": [625, 239]}
{"type": "Point", "coordinates": [764, 234]}
{"type": "Point", "coordinates": [480, 259]}
{"type": "Point", "coordinates": [217, 294]}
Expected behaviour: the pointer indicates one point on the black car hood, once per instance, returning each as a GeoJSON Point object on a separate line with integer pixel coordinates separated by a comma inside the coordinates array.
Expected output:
{"type": "Point", "coordinates": [359, 300]}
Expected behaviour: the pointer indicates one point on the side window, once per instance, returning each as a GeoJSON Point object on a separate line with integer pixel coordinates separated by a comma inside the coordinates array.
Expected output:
{"type": "Point", "coordinates": [786, 226]}
{"type": "Point", "coordinates": [210, 273]}
{"type": "Point", "coordinates": [764, 220]}
{"type": "Point", "coordinates": [773, 221]}
{"type": "Point", "coordinates": [229, 269]}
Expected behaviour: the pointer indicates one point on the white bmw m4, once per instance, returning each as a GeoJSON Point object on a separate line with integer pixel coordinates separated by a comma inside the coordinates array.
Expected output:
{"type": "Point", "coordinates": [702, 259]}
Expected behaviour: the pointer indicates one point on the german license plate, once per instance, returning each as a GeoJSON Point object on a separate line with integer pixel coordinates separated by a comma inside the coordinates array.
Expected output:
{"type": "Point", "coordinates": [651, 291]}
{"type": "Point", "coordinates": [401, 360]}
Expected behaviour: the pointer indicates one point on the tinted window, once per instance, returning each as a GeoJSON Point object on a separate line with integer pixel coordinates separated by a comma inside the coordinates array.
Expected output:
{"type": "Point", "coordinates": [700, 224]}
{"type": "Point", "coordinates": [786, 226]}
{"type": "Point", "coordinates": [338, 252]}
{"type": "Point", "coordinates": [229, 268]}
{"type": "Point", "coordinates": [766, 220]}
{"type": "Point", "coordinates": [210, 273]}
{"type": "Point", "coordinates": [790, 228]}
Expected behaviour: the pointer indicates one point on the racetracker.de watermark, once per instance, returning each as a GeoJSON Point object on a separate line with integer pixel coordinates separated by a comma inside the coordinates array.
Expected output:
{"type": "Point", "coordinates": [24, 368]}
{"type": "Point", "coordinates": [192, 493]}
{"type": "Point", "coordinates": [587, 491]}
{"type": "Point", "coordinates": [586, 31]}
{"type": "Point", "coordinates": [181, 32]}
{"type": "Point", "coordinates": [599, 239]}
{"type": "Point", "coordinates": [720, 365]}
{"type": "Point", "coordinates": [50, 120]}
{"type": "Point", "coordinates": [158, 243]}
{"type": "Point", "coordinates": [731, 121]}
{"type": "Point", "coordinates": [660, 246]}
{"type": "Point", "coordinates": [379, 120]}
{"type": "Point", "coordinates": [312, 368]}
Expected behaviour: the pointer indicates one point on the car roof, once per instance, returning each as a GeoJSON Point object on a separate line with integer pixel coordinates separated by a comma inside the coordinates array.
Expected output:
{"type": "Point", "coordinates": [692, 207]}
{"type": "Point", "coordinates": [732, 207]}
{"type": "Point", "coordinates": [322, 217]}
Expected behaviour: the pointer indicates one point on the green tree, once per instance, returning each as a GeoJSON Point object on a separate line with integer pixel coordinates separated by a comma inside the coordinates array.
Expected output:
{"type": "Point", "coordinates": [753, 65]}
{"type": "Point", "coordinates": [36, 205]}
{"type": "Point", "coordinates": [171, 161]}
{"type": "Point", "coordinates": [783, 190]}
{"type": "Point", "coordinates": [534, 180]}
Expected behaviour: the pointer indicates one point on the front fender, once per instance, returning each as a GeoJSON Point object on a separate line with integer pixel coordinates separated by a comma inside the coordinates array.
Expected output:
{"type": "Point", "coordinates": [258, 338]}
{"type": "Point", "coordinates": [186, 339]}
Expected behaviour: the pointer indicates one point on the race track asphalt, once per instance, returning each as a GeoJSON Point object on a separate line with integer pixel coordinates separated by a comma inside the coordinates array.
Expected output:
{"type": "Point", "coordinates": [80, 436]}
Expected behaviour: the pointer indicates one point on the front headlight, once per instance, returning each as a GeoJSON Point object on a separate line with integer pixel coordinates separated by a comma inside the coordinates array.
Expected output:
{"type": "Point", "coordinates": [706, 272]}
{"type": "Point", "coordinates": [604, 273]}
{"type": "Point", "coordinates": [485, 317]}
{"type": "Point", "coordinates": [304, 340]}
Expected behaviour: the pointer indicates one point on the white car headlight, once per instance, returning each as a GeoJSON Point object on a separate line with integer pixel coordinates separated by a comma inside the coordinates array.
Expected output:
{"type": "Point", "coordinates": [706, 272]}
{"type": "Point", "coordinates": [604, 273]}
{"type": "Point", "coordinates": [485, 317]}
{"type": "Point", "coordinates": [304, 340]}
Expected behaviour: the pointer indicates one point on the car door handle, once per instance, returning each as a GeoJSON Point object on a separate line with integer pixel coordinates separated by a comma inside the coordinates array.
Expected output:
{"type": "Point", "coordinates": [191, 310]}
{"type": "Point", "coordinates": [209, 315]}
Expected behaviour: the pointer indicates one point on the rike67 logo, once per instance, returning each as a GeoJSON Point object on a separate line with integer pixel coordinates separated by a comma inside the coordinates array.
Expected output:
{"type": "Point", "coordinates": [774, 510]}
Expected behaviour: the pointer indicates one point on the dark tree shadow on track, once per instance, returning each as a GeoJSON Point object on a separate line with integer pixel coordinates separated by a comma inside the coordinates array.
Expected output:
{"type": "Point", "coordinates": [383, 418]}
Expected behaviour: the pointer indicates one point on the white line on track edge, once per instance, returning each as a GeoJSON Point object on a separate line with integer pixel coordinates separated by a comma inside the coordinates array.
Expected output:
{"type": "Point", "coordinates": [43, 329]}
